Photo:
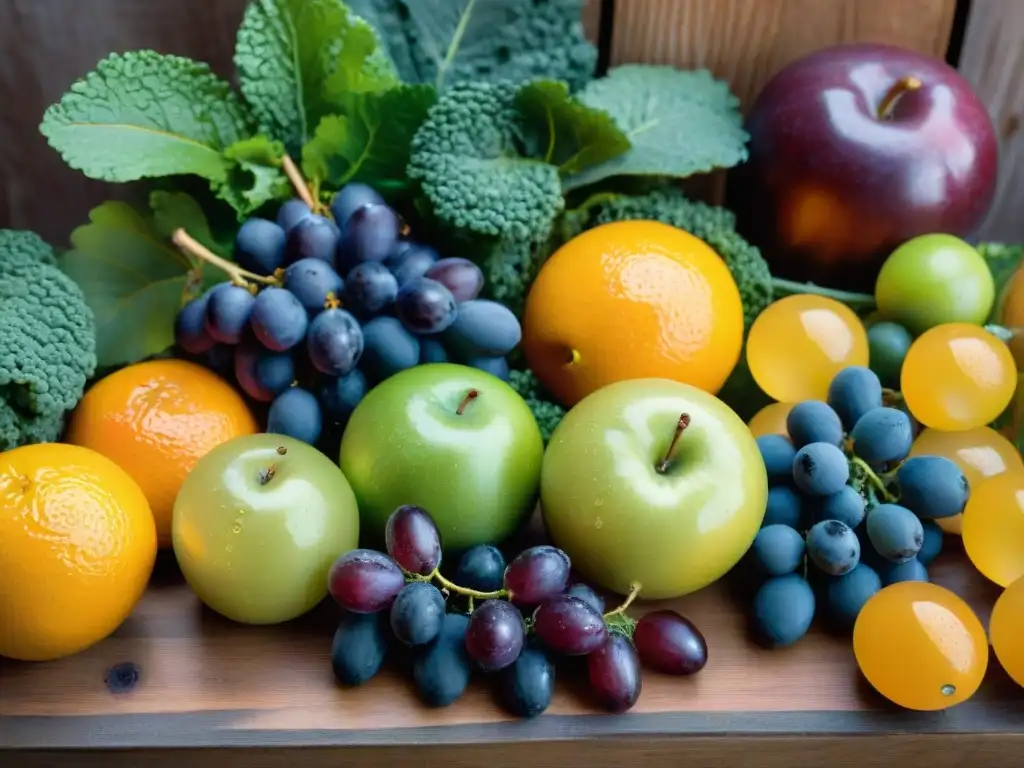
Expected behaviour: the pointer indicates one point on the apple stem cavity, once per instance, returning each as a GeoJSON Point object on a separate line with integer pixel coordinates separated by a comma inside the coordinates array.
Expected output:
{"type": "Point", "coordinates": [855, 301]}
{"type": "Point", "coordinates": [471, 395]}
{"type": "Point", "coordinates": [903, 85]}
{"type": "Point", "coordinates": [663, 465]}
{"type": "Point", "coordinates": [267, 474]}
{"type": "Point", "coordinates": [634, 591]}
{"type": "Point", "coordinates": [243, 277]}
{"type": "Point", "coordinates": [464, 591]}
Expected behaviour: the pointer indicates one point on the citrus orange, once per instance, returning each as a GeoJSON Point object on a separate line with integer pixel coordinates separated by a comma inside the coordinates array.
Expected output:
{"type": "Point", "coordinates": [77, 545]}
{"type": "Point", "coordinates": [630, 300]}
{"type": "Point", "coordinates": [156, 420]}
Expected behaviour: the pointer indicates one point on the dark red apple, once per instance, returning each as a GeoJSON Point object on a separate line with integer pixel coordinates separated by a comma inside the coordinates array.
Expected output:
{"type": "Point", "coordinates": [856, 149]}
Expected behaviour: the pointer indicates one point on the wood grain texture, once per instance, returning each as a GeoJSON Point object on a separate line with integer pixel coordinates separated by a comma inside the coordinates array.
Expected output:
{"type": "Point", "coordinates": [992, 60]}
{"type": "Point", "coordinates": [747, 41]}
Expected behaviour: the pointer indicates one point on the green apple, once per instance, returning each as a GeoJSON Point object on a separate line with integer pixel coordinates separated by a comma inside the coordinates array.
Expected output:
{"type": "Point", "coordinates": [454, 440]}
{"type": "Point", "coordinates": [653, 481]}
{"type": "Point", "coordinates": [257, 524]}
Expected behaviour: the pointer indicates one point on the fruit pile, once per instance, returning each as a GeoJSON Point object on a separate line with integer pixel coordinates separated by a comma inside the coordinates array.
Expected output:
{"type": "Point", "coordinates": [517, 622]}
{"type": "Point", "coordinates": [848, 512]}
{"type": "Point", "coordinates": [324, 304]}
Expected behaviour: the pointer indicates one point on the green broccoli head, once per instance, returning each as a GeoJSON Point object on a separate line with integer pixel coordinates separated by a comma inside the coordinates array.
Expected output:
{"type": "Point", "coordinates": [466, 156]}
{"type": "Point", "coordinates": [546, 412]}
{"type": "Point", "coordinates": [714, 225]}
{"type": "Point", "coordinates": [47, 341]}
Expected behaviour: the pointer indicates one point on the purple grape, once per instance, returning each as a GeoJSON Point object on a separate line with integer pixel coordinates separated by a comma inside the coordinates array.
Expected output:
{"type": "Point", "coordinates": [669, 643]}
{"type": "Point", "coordinates": [351, 198]}
{"type": "Point", "coordinates": [537, 574]}
{"type": "Point", "coordinates": [296, 413]}
{"type": "Point", "coordinates": [247, 355]}
{"type": "Point", "coordinates": [482, 328]}
{"type": "Point", "coordinates": [425, 306]}
{"type": "Point", "coordinates": [365, 581]}
{"type": "Point", "coordinates": [334, 342]}
{"type": "Point", "coordinates": [228, 308]}
{"type": "Point", "coordinates": [278, 320]}
{"type": "Point", "coordinates": [259, 246]}
{"type": "Point", "coordinates": [482, 568]}
{"type": "Point", "coordinates": [460, 276]}
{"type": "Point", "coordinates": [496, 366]}
{"type": "Point", "coordinates": [314, 237]}
{"type": "Point", "coordinates": [417, 613]}
{"type": "Point", "coordinates": [432, 351]}
{"type": "Point", "coordinates": [369, 234]}
{"type": "Point", "coordinates": [495, 635]}
{"type": "Point", "coordinates": [569, 626]}
{"type": "Point", "coordinates": [313, 282]}
{"type": "Point", "coordinates": [583, 592]}
{"type": "Point", "coordinates": [291, 213]}
{"type": "Point", "coordinates": [370, 288]}
{"type": "Point", "coordinates": [413, 540]}
{"type": "Point", "coordinates": [340, 396]}
{"type": "Point", "coordinates": [414, 261]}
{"type": "Point", "coordinates": [614, 673]}
{"type": "Point", "coordinates": [190, 327]}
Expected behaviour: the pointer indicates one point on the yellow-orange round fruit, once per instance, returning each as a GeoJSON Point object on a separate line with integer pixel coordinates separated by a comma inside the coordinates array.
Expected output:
{"type": "Point", "coordinates": [632, 300]}
{"type": "Point", "coordinates": [77, 545]}
{"type": "Point", "coordinates": [156, 420]}
{"type": "Point", "coordinates": [771, 420]}
{"type": "Point", "coordinates": [1010, 314]}
{"type": "Point", "coordinates": [1006, 628]}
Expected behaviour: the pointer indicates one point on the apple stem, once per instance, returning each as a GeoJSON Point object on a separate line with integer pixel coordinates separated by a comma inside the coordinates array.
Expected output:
{"type": "Point", "coordinates": [239, 276]}
{"type": "Point", "coordinates": [684, 422]}
{"type": "Point", "coordinates": [856, 301]}
{"type": "Point", "coordinates": [472, 395]}
{"type": "Point", "coordinates": [268, 474]}
{"type": "Point", "coordinates": [900, 87]}
{"type": "Point", "coordinates": [634, 591]}
{"type": "Point", "coordinates": [465, 591]}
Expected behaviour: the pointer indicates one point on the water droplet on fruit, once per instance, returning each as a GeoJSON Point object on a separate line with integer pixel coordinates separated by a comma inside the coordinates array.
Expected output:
{"type": "Point", "coordinates": [598, 502]}
{"type": "Point", "coordinates": [598, 523]}
{"type": "Point", "coordinates": [228, 548]}
{"type": "Point", "coordinates": [948, 690]}
{"type": "Point", "coordinates": [237, 528]}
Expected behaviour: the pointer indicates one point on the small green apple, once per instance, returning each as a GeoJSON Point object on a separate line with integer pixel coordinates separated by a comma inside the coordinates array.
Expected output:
{"type": "Point", "coordinates": [257, 524]}
{"type": "Point", "coordinates": [454, 440]}
{"type": "Point", "coordinates": [653, 481]}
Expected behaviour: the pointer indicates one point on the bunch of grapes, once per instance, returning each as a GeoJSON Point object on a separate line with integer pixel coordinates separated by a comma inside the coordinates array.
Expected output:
{"type": "Point", "coordinates": [848, 513]}
{"type": "Point", "coordinates": [518, 621]}
{"type": "Point", "coordinates": [324, 305]}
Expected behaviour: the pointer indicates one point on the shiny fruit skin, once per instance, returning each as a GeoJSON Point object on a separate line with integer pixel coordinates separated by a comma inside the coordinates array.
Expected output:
{"type": "Point", "coordinates": [620, 520]}
{"type": "Point", "coordinates": [481, 568]}
{"type": "Point", "coordinates": [994, 528]}
{"type": "Point", "coordinates": [799, 343]}
{"type": "Point", "coordinates": [495, 636]}
{"type": "Point", "coordinates": [614, 673]}
{"type": "Point", "coordinates": [921, 646]}
{"type": "Point", "coordinates": [365, 581]}
{"type": "Point", "coordinates": [417, 613]}
{"type": "Point", "coordinates": [980, 453]}
{"type": "Point", "coordinates": [629, 300]}
{"type": "Point", "coordinates": [360, 646]}
{"type": "Point", "coordinates": [412, 540]}
{"type": "Point", "coordinates": [934, 279]}
{"type": "Point", "coordinates": [441, 670]}
{"type": "Point", "coordinates": [156, 420]}
{"type": "Point", "coordinates": [78, 544]}
{"type": "Point", "coordinates": [257, 547]}
{"type": "Point", "coordinates": [585, 593]}
{"type": "Point", "coordinates": [1006, 628]}
{"type": "Point", "coordinates": [569, 626]}
{"type": "Point", "coordinates": [477, 472]}
{"type": "Point", "coordinates": [669, 643]}
{"type": "Point", "coordinates": [770, 420]}
{"type": "Point", "coordinates": [537, 574]}
{"type": "Point", "coordinates": [1010, 314]}
{"type": "Point", "coordinates": [528, 686]}
{"type": "Point", "coordinates": [958, 376]}
{"type": "Point", "coordinates": [830, 190]}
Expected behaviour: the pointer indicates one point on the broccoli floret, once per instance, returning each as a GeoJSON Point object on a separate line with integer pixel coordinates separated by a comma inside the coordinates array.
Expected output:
{"type": "Point", "coordinates": [510, 268]}
{"type": "Point", "coordinates": [466, 156]}
{"type": "Point", "coordinates": [47, 341]}
{"type": "Point", "coordinates": [712, 224]}
{"type": "Point", "coordinates": [546, 412]}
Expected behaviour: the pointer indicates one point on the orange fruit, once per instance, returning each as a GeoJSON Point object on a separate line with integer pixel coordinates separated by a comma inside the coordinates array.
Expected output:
{"type": "Point", "coordinates": [630, 300]}
{"type": "Point", "coordinates": [156, 420]}
{"type": "Point", "coordinates": [77, 545]}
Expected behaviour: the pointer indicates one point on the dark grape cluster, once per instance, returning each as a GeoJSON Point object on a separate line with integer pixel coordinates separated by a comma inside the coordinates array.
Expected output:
{"type": "Point", "coordinates": [848, 513]}
{"type": "Point", "coordinates": [512, 622]}
{"type": "Point", "coordinates": [326, 304]}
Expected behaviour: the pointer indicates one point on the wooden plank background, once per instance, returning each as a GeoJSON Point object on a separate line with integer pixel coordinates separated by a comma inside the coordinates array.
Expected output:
{"type": "Point", "coordinates": [46, 44]}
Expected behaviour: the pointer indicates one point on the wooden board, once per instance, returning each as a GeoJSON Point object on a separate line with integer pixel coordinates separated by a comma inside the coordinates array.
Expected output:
{"type": "Point", "coordinates": [993, 61]}
{"type": "Point", "coordinates": [206, 683]}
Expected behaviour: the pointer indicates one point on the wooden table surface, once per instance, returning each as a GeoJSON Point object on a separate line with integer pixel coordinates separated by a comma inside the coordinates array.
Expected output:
{"type": "Point", "coordinates": [247, 696]}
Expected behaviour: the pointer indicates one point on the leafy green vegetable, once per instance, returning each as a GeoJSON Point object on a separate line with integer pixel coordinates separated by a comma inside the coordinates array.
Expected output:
{"type": "Point", "coordinates": [443, 42]}
{"type": "Point", "coordinates": [174, 210]}
{"type": "Point", "coordinates": [256, 176]}
{"type": "Point", "coordinates": [370, 141]}
{"type": "Point", "coordinates": [133, 279]}
{"type": "Point", "coordinates": [467, 157]}
{"type": "Point", "coordinates": [510, 267]}
{"type": "Point", "coordinates": [144, 114]}
{"type": "Point", "coordinates": [564, 131]}
{"type": "Point", "coordinates": [294, 56]}
{"type": "Point", "coordinates": [547, 413]}
{"type": "Point", "coordinates": [678, 122]}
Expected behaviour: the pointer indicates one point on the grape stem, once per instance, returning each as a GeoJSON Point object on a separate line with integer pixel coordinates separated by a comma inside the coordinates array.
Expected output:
{"type": "Point", "coordinates": [857, 301]}
{"type": "Point", "coordinates": [634, 591]}
{"type": "Point", "coordinates": [471, 395]}
{"type": "Point", "coordinates": [681, 425]}
{"type": "Point", "coordinates": [466, 591]}
{"type": "Point", "coordinates": [239, 276]}
{"type": "Point", "coordinates": [291, 170]}
{"type": "Point", "coordinates": [874, 478]}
